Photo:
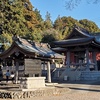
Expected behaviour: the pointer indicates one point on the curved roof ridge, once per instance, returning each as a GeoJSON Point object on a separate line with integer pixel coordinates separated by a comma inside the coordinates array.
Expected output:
{"type": "Point", "coordinates": [24, 46]}
{"type": "Point", "coordinates": [83, 31]}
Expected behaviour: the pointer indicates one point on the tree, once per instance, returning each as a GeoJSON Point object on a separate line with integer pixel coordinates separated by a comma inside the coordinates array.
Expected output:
{"type": "Point", "coordinates": [89, 26]}
{"type": "Point", "coordinates": [64, 25]}
{"type": "Point", "coordinates": [38, 15]}
{"type": "Point", "coordinates": [50, 35]}
{"type": "Point", "coordinates": [58, 23]}
{"type": "Point", "coordinates": [48, 22]}
{"type": "Point", "coordinates": [17, 17]}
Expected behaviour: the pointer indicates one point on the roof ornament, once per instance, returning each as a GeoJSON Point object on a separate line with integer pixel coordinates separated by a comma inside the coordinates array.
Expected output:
{"type": "Point", "coordinates": [15, 37]}
{"type": "Point", "coordinates": [81, 29]}
{"type": "Point", "coordinates": [17, 53]}
{"type": "Point", "coordinates": [76, 26]}
{"type": "Point", "coordinates": [48, 46]}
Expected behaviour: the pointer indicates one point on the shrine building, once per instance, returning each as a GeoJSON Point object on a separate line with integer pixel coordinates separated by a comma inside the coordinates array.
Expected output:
{"type": "Point", "coordinates": [82, 51]}
{"type": "Point", "coordinates": [25, 57]}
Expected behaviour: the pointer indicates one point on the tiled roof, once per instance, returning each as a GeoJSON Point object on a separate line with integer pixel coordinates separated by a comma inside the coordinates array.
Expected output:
{"type": "Point", "coordinates": [40, 48]}
{"type": "Point", "coordinates": [73, 42]}
{"type": "Point", "coordinates": [78, 37]}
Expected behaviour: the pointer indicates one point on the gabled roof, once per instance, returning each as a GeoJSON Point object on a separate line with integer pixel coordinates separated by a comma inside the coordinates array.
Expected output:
{"type": "Point", "coordinates": [78, 37]}
{"type": "Point", "coordinates": [78, 32]}
{"type": "Point", "coordinates": [31, 49]}
{"type": "Point", "coordinates": [74, 42]}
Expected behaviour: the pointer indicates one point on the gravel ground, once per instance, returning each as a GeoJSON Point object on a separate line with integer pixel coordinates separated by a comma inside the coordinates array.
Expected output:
{"type": "Point", "coordinates": [71, 96]}
{"type": "Point", "coordinates": [77, 92]}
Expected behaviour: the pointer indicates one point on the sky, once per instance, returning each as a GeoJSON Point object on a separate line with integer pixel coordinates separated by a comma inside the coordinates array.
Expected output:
{"type": "Point", "coordinates": [57, 7]}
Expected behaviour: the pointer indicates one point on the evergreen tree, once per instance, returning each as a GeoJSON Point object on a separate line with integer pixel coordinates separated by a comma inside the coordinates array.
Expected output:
{"type": "Point", "coordinates": [64, 25]}
{"type": "Point", "coordinates": [17, 17]}
{"type": "Point", "coordinates": [48, 22]}
{"type": "Point", "coordinates": [89, 25]}
{"type": "Point", "coordinates": [38, 15]}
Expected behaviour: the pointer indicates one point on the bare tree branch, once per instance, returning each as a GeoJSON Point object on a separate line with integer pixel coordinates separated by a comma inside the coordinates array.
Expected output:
{"type": "Point", "coordinates": [71, 4]}
{"type": "Point", "coordinates": [93, 1]}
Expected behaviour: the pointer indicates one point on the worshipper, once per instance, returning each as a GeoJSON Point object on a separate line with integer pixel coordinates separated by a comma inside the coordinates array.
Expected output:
{"type": "Point", "coordinates": [7, 76]}
{"type": "Point", "coordinates": [12, 76]}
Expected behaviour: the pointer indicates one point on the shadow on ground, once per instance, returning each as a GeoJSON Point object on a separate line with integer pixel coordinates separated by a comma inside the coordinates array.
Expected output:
{"type": "Point", "coordinates": [97, 82]}
{"type": "Point", "coordinates": [82, 89]}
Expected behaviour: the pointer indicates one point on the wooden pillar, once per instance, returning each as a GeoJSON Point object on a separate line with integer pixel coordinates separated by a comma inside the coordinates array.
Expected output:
{"type": "Point", "coordinates": [13, 65]}
{"type": "Point", "coordinates": [48, 72]}
{"type": "Point", "coordinates": [87, 59]}
{"type": "Point", "coordinates": [44, 65]}
{"type": "Point", "coordinates": [16, 73]}
{"type": "Point", "coordinates": [94, 60]}
{"type": "Point", "coordinates": [4, 63]}
{"type": "Point", "coordinates": [68, 59]}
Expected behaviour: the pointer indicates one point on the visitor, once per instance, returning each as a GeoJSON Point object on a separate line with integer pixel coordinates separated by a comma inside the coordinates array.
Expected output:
{"type": "Point", "coordinates": [7, 75]}
{"type": "Point", "coordinates": [12, 76]}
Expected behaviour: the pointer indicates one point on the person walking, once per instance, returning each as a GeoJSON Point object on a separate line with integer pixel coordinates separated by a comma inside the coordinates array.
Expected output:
{"type": "Point", "coordinates": [7, 75]}
{"type": "Point", "coordinates": [12, 76]}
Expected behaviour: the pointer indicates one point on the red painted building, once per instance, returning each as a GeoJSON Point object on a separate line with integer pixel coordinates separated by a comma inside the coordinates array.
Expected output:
{"type": "Point", "coordinates": [80, 48]}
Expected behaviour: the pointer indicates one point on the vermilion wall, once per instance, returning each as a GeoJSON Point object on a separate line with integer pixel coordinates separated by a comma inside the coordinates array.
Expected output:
{"type": "Point", "coordinates": [72, 58]}
{"type": "Point", "coordinates": [98, 57]}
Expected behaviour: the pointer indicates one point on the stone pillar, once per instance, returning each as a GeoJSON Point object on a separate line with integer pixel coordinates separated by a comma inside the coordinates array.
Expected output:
{"type": "Point", "coordinates": [48, 72]}
{"type": "Point", "coordinates": [87, 59]}
{"type": "Point", "coordinates": [16, 74]}
{"type": "Point", "coordinates": [68, 59]}
{"type": "Point", "coordinates": [94, 60]}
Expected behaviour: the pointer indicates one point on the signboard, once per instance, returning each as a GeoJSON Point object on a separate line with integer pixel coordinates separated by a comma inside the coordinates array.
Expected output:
{"type": "Point", "coordinates": [33, 67]}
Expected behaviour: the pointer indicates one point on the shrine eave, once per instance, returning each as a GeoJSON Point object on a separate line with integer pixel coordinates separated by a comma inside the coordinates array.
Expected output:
{"type": "Point", "coordinates": [79, 30]}
{"type": "Point", "coordinates": [31, 50]}
{"type": "Point", "coordinates": [77, 42]}
{"type": "Point", "coordinates": [59, 49]}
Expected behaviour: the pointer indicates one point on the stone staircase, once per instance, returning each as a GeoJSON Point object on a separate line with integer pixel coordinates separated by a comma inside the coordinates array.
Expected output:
{"type": "Point", "coordinates": [90, 75]}
{"type": "Point", "coordinates": [9, 86]}
{"type": "Point", "coordinates": [57, 73]}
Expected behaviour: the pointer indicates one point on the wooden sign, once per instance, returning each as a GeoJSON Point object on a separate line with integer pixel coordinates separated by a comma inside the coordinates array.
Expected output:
{"type": "Point", "coordinates": [33, 67]}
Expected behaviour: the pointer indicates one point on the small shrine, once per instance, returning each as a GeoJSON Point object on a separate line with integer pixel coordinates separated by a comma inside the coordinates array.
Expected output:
{"type": "Point", "coordinates": [25, 57]}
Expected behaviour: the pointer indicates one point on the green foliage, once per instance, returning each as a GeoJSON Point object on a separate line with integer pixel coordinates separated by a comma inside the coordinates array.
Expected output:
{"type": "Point", "coordinates": [64, 25]}
{"type": "Point", "coordinates": [89, 25]}
{"type": "Point", "coordinates": [38, 16]}
{"type": "Point", "coordinates": [48, 22]}
{"type": "Point", "coordinates": [50, 35]}
{"type": "Point", "coordinates": [6, 39]}
{"type": "Point", "coordinates": [16, 17]}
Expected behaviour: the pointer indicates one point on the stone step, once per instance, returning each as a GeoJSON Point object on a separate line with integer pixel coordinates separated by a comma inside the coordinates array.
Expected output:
{"type": "Point", "coordinates": [90, 75]}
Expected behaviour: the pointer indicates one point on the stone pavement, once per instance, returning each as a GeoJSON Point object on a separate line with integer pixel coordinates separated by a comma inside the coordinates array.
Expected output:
{"type": "Point", "coordinates": [64, 84]}
{"type": "Point", "coordinates": [81, 85]}
{"type": "Point", "coordinates": [79, 90]}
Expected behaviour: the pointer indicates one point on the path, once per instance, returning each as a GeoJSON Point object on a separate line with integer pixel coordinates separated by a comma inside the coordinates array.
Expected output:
{"type": "Point", "coordinates": [78, 91]}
